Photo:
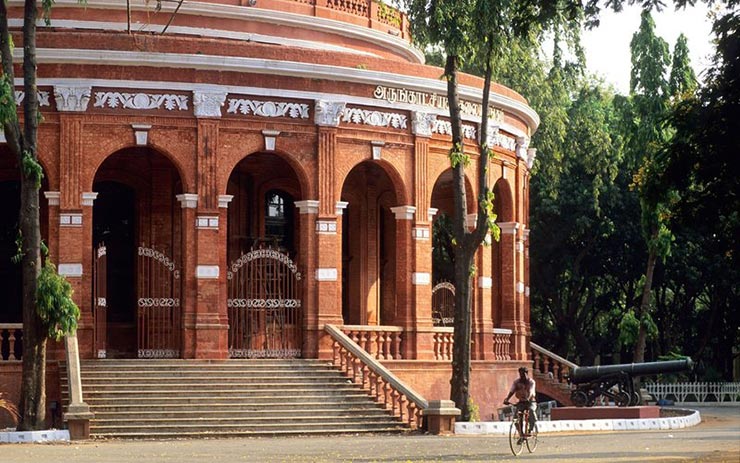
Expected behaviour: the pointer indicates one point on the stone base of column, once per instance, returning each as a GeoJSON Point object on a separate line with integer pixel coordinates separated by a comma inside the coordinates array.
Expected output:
{"type": "Point", "coordinates": [78, 421]}
{"type": "Point", "coordinates": [440, 417]}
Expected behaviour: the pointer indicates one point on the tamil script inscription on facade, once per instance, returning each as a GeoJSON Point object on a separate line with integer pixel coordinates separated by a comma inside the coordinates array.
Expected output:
{"type": "Point", "coordinates": [403, 95]}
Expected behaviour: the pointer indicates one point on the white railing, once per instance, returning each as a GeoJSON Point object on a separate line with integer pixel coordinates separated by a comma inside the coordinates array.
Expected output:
{"type": "Point", "coordinates": [695, 392]}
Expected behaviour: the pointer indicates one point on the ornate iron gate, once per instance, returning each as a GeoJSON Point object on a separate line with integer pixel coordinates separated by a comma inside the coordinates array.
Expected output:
{"type": "Point", "coordinates": [443, 304]}
{"type": "Point", "coordinates": [264, 304]}
{"type": "Point", "coordinates": [100, 302]}
{"type": "Point", "coordinates": [158, 315]}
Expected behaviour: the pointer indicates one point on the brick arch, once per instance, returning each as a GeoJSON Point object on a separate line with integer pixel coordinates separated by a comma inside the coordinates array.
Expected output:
{"type": "Point", "coordinates": [99, 158]}
{"type": "Point", "coordinates": [503, 201]}
{"type": "Point", "coordinates": [395, 177]}
{"type": "Point", "coordinates": [304, 185]}
{"type": "Point", "coordinates": [441, 196]}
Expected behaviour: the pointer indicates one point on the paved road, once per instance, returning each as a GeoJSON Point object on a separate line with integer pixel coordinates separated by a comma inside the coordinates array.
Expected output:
{"type": "Point", "coordinates": [716, 439]}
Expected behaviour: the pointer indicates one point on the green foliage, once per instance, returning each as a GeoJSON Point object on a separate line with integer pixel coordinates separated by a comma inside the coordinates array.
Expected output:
{"type": "Point", "coordinates": [54, 303]}
{"type": "Point", "coordinates": [487, 206]}
{"type": "Point", "coordinates": [474, 410]}
{"type": "Point", "coordinates": [7, 101]}
{"type": "Point", "coordinates": [32, 169]}
{"type": "Point", "coordinates": [629, 327]}
{"type": "Point", "coordinates": [683, 79]}
{"type": "Point", "coordinates": [458, 156]}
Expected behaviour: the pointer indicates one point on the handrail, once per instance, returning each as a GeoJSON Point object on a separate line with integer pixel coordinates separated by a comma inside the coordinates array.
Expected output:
{"type": "Point", "coordinates": [552, 355]}
{"type": "Point", "coordinates": [376, 375]}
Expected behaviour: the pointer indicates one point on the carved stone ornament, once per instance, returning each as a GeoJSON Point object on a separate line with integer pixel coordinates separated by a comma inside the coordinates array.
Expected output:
{"type": "Point", "coordinates": [445, 128]}
{"type": "Point", "coordinates": [72, 99]}
{"type": "Point", "coordinates": [531, 155]}
{"type": "Point", "coordinates": [374, 118]}
{"type": "Point", "coordinates": [505, 142]}
{"type": "Point", "coordinates": [422, 123]}
{"type": "Point", "coordinates": [522, 143]}
{"type": "Point", "coordinates": [141, 101]}
{"type": "Point", "coordinates": [208, 104]}
{"type": "Point", "coordinates": [268, 108]}
{"type": "Point", "coordinates": [327, 113]}
{"type": "Point", "coordinates": [493, 128]}
{"type": "Point", "coordinates": [42, 96]}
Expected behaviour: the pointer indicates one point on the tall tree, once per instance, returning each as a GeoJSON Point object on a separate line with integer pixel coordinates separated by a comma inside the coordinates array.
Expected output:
{"type": "Point", "coordinates": [48, 310]}
{"type": "Point", "coordinates": [683, 79]}
{"type": "Point", "coordinates": [649, 91]}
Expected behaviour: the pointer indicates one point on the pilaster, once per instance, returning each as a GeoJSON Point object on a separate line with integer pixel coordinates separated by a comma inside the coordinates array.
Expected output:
{"type": "Point", "coordinates": [404, 277]}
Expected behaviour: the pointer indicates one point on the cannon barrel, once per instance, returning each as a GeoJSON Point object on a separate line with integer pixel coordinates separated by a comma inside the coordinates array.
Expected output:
{"type": "Point", "coordinates": [584, 374]}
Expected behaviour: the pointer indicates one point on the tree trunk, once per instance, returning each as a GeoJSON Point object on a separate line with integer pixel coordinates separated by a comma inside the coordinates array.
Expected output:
{"type": "Point", "coordinates": [639, 354]}
{"type": "Point", "coordinates": [460, 382]}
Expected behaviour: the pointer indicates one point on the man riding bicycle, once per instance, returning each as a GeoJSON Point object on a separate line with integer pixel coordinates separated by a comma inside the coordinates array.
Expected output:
{"type": "Point", "coordinates": [524, 389]}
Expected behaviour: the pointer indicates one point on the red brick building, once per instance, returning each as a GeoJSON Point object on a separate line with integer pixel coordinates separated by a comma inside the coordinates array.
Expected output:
{"type": "Point", "coordinates": [228, 183]}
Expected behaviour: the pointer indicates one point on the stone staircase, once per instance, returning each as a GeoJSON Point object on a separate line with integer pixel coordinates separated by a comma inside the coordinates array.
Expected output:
{"type": "Point", "coordinates": [551, 371]}
{"type": "Point", "coordinates": [194, 398]}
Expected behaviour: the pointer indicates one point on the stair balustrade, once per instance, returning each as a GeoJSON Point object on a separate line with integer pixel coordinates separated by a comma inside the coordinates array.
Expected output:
{"type": "Point", "coordinates": [363, 369]}
{"type": "Point", "coordinates": [382, 342]}
{"type": "Point", "coordinates": [11, 338]}
{"type": "Point", "coordinates": [546, 362]}
{"type": "Point", "coordinates": [502, 344]}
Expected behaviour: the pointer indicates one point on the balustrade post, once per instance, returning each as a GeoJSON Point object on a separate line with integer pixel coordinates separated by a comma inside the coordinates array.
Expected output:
{"type": "Point", "coordinates": [372, 344]}
{"type": "Point", "coordinates": [11, 345]}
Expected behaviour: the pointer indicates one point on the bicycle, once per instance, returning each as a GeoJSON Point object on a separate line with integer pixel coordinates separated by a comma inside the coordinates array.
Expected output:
{"type": "Point", "coordinates": [520, 422]}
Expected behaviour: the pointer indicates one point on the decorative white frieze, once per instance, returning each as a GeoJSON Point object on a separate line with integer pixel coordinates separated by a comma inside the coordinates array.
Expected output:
{"type": "Point", "coordinates": [42, 96]}
{"type": "Point", "coordinates": [72, 99]}
{"type": "Point", "coordinates": [508, 228]}
{"type": "Point", "coordinates": [404, 212]}
{"type": "Point", "coordinates": [309, 206]}
{"type": "Point", "coordinates": [504, 141]}
{"type": "Point", "coordinates": [53, 197]}
{"type": "Point", "coordinates": [431, 212]}
{"type": "Point", "coordinates": [268, 108]}
{"type": "Point", "coordinates": [328, 113]}
{"type": "Point", "coordinates": [206, 272]}
{"type": "Point", "coordinates": [520, 287]}
{"type": "Point", "coordinates": [377, 148]}
{"type": "Point", "coordinates": [326, 274]}
{"type": "Point", "coordinates": [374, 118]}
{"type": "Point", "coordinates": [70, 270]}
{"type": "Point", "coordinates": [421, 278]}
{"type": "Point", "coordinates": [224, 200]}
{"type": "Point", "coordinates": [270, 136]}
{"type": "Point", "coordinates": [188, 200]}
{"type": "Point", "coordinates": [141, 101]}
{"type": "Point", "coordinates": [485, 282]}
{"type": "Point", "coordinates": [422, 123]}
{"type": "Point", "coordinates": [493, 128]}
{"type": "Point", "coordinates": [326, 227]}
{"type": "Point", "coordinates": [141, 132]}
{"type": "Point", "coordinates": [445, 128]}
{"type": "Point", "coordinates": [522, 143]}
{"type": "Point", "coordinates": [207, 222]}
{"type": "Point", "coordinates": [340, 207]}
{"type": "Point", "coordinates": [70, 219]}
{"type": "Point", "coordinates": [89, 198]}
{"type": "Point", "coordinates": [208, 104]}
{"type": "Point", "coordinates": [420, 233]}
{"type": "Point", "coordinates": [531, 155]}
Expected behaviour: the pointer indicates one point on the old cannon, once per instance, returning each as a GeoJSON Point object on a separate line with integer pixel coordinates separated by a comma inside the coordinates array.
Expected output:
{"type": "Point", "coordinates": [616, 381]}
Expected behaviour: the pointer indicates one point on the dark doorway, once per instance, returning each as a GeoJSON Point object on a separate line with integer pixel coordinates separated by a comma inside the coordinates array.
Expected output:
{"type": "Point", "coordinates": [114, 225]}
{"type": "Point", "coordinates": [10, 272]}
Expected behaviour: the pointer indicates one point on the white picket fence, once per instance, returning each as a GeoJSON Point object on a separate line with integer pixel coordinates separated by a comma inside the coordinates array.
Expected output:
{"type": "Point", "coordinates": [695, 392]}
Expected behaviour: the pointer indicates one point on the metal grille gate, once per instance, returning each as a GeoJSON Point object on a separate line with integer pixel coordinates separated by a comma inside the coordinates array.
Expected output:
{"type": "Point", "coordinates": [443, 304]}
{"type": "Point", "coordinates": [264, 305]}
{"type": "Point", "coordinates": [158, 314]}
{"type": "Point", "coordinates": [100, 302]}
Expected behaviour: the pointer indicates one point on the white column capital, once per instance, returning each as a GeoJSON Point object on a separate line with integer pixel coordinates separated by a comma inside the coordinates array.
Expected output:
{"type": "Point", "coordinates": [72, 99]}
{"type": "Point", "coordinates": [531, 155]}
{"type": "Point", "coordinates": [340, 207]}
{"type": "Point", "coordinates": [404, 212]}
{"type": "Point", "coordinates": [522, 143]}
{"type": "Point", "coordinates": [422, 123]}
{"type": "Point", "coordinates": [224, 200]}
{"type": "Point", "coordinates": [309, 206]}
{"type": "Point", "coordinates": [327, 113]}
{"type": "Point", "coordinates": [188, 200]}
{"type": "Point", "coordinates": [53, 197]}
{"type": "Point", "coordinates": [431, 212]}
{"type": "Point", "coordinates": [508, 228]}
{"type": "Point", "coordinates": [207, 103]}
{"type": "Point", "coordinates": [89, 198]}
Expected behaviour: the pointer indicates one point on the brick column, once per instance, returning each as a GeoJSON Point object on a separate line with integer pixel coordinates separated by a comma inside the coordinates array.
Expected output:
{"type": "Point", "coordinates": [482, 334]}
{"type": "Point", "coordinates": [189, 285]}
{"type": "Point", "coordinates": [510, 318]}
{"type": "Point", "coordinates": [404, 278]}
{"type": "Point", "coordinates": [309, 229]}
{"type": "Point", "coordinates": [328, 241]}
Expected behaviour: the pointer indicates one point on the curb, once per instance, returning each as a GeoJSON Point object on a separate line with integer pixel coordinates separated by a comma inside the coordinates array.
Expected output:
{"type": "Point", "coordinates": [502, 427]}
{"type": "Point", "coordinates": [15, 437]}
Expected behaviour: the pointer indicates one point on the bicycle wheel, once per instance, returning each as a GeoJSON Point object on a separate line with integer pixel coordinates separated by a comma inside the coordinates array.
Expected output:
{"type": "Point", "coordinates": [516, 442]}
{"type": "Point", "coordinates": [532, 439]}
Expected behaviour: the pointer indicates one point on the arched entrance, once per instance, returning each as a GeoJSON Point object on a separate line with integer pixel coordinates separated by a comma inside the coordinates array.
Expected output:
{"type": "Point", "coordinates": [265, 290]}
{"type": "Point", "coordinates": [137, 253]}
{"type": "Point", "coordinates": [369, 247]}
{"type": "Point", "coordinates": [11, 283]}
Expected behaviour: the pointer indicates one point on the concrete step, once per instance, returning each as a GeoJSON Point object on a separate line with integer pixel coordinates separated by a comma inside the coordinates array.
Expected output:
{"type": "Point", "coordinates": [272, 414]}
{"type": "Point", "coordinates": [213, 433]}
{"type": "Point", "coordinates": [242, 400]}
{"type": "Point", "coordinates": [269, 428]}
{"type": "Point", "coordinates": [276, 407]}
{"type": "Point", "coordinates": [212, 379]}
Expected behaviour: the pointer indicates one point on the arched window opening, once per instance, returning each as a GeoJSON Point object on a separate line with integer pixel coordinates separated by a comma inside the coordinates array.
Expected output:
{"type": "Point", "coordinates": [279, 210]}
